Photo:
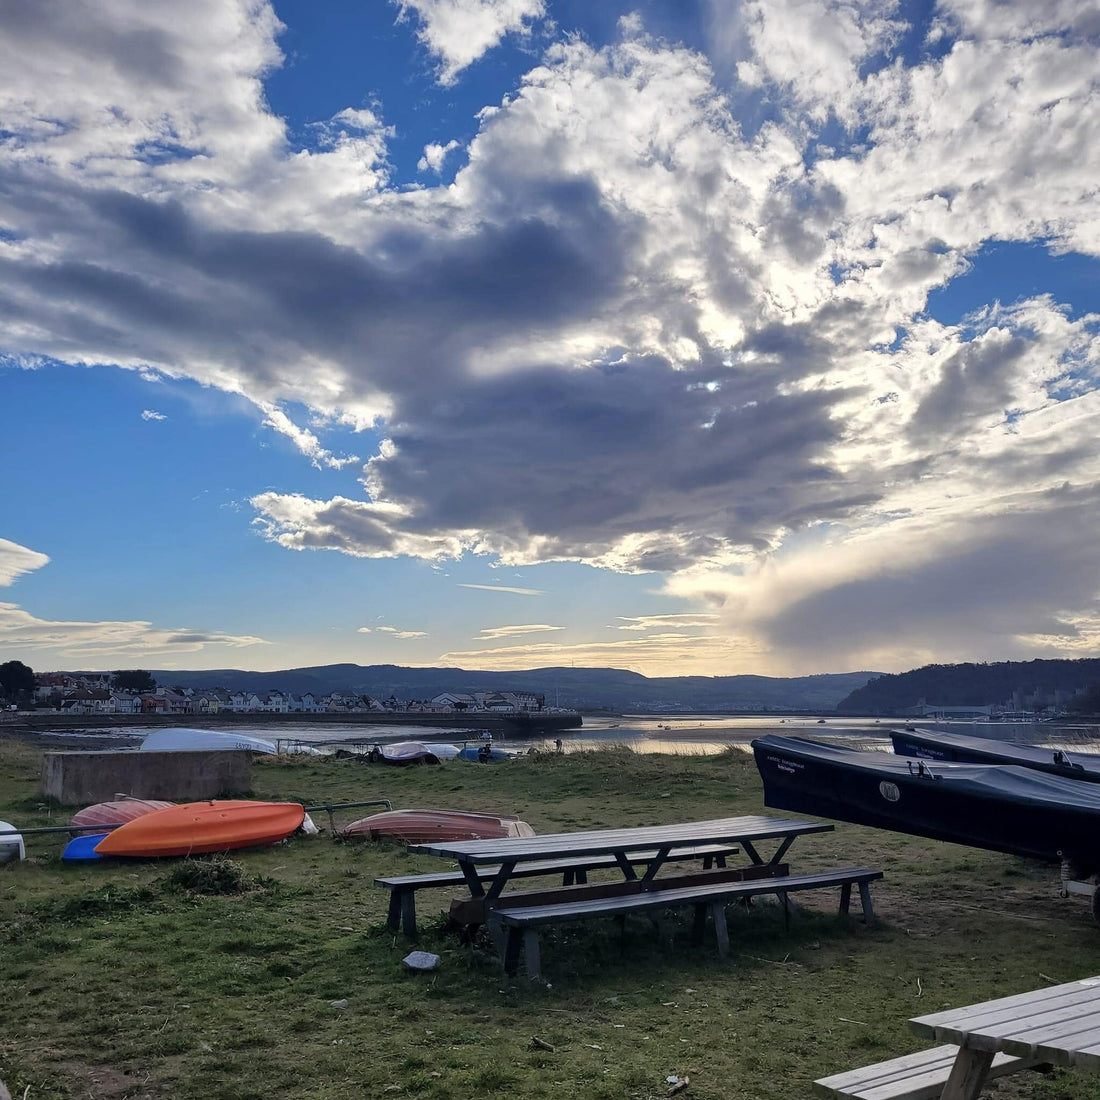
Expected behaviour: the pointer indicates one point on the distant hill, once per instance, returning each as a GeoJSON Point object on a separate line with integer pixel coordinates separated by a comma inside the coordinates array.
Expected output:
{"type": "Point", "coordinates": [1008, 683]}
{"type": "Point", "coordinates": [584, 688]}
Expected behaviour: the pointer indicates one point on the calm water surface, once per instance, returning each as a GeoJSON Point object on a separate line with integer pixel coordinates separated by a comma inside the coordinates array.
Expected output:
{"type": "Point", "coordinates": [689, 734]}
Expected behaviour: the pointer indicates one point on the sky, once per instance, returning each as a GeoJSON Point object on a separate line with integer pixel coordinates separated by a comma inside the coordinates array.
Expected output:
{"type": "Point", "coordinates": [685, 336]}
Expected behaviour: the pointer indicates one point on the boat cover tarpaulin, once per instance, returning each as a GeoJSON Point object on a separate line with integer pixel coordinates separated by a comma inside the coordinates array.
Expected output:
{"type": "Point", "coordinates": [965, 748]}
{"type": "Point", "coordinates": [178, 739]}
{"type": "Point", "coordinates": [997, 806]}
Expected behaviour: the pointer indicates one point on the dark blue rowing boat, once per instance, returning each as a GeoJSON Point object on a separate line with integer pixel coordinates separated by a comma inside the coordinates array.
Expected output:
{"type": "Point", "coordinates": [966, 749]}
{"type": "Point", "coordinates": [1002, 807]}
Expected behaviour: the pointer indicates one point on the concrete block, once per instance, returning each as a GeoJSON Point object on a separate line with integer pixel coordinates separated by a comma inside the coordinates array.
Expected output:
{"type": "Point", "coordinates": [82, 778]}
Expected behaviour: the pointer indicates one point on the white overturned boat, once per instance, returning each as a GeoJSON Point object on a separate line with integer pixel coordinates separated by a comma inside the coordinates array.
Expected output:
{"type": "Point", "coordinates": [11, 844]}
{"type": "Point", "coordinates": [189, 740]}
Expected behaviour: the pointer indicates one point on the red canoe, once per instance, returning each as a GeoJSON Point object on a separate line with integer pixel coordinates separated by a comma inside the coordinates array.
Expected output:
{"type": "Point", "coordinates": [117, 812]}
{"type": "Point", "coordinates": [423, 826]}
{"type": "Point", "coordinates": [198, 827]}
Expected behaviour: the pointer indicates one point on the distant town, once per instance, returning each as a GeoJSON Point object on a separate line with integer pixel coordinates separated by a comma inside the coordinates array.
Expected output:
{"type": "Point", "coordinates": [68, 693]}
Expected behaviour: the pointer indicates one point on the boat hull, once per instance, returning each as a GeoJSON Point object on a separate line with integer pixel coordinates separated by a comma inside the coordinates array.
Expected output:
{"type": "Point", "coordinates": [117, 812]}
{"type": "Point", "coordinates": [202, 827]}
{"type": "Point", "coordinates": [189, 740]}
{"type": "Point", "coordinates": [425, 826]}
{"type": "Point", "coordinates": [966, 749]}
{"type": "Point", "coordinates": [998, 807]}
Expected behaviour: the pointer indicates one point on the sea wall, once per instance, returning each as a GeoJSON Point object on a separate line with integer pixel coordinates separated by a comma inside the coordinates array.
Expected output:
{"type": "Point", "coordinates": [535, 722]}
{"type": "Point", "coordinates": [82, 778]}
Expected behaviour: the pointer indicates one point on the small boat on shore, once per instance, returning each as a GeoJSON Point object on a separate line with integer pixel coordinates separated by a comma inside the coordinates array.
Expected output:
{"type": "Point", "coordinates": [967, 749]}
{"type": "Point", "coordinates": [117, 812]}
{"type": "Point", "coordinates": [403, 754]}
{"type": "Point", "coordinates": [189, 740]}
{"type": "Point", "coordinates": [12, 847]}
{"type": "Point", "coordinates": [200, 827]}
{"type": "Point", "coordinates": [424, 826]}
{"type": "Point", "coordinates": [1002, 807]}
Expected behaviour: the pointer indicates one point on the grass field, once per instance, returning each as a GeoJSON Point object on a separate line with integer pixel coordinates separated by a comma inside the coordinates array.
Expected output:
{"type": "Point", "coordinates": [206, 980]}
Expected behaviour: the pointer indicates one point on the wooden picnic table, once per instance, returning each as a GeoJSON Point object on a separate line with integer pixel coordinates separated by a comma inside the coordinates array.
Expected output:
{"type": "Point", "coordinates": [662, 840]}
{"type": "Point", "coordinates": [1059, 1024]}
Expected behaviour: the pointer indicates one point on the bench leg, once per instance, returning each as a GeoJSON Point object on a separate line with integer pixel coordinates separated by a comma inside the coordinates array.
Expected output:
{"type": "Point", "coordinates": [393, 917]}
{"type": "Point", "coordinates": [865, 901]}
{"type": "Point", "coordinates": [511, 950]}
{"type": "Point", "coordinates": [408, 913]}
{"type": "Point", "coordinates": [531, 952]}
{"type": "Point", "coordinates": [785, 901]}
{"type": "Point", "coordinates": [845, 898]}
{"type": "Point", "coordinates": [719, 911]}
{"type": "Point", "coordinates": [699, 926]}
{"type": "Point", "coordinates": [967, 1074]}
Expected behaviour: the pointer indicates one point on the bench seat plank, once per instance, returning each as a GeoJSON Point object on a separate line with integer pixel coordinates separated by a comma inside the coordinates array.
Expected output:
{"type": "Point", "coordinates": [523, 921]}
{"type": "Point", "coordinates": [918, 1076]}
{"type": "Point", "coordinates": [402, 910]}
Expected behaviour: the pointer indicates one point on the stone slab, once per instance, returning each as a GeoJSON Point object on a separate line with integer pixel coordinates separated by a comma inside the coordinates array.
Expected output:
{"type": "Point", "coordinates": [83, 778]}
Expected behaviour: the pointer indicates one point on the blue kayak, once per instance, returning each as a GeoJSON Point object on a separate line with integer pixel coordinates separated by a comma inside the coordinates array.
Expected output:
{"type": "Point", "coordinates": [82, 848]}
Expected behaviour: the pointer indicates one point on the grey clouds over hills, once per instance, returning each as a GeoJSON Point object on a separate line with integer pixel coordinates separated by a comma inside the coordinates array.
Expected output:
{"type": "Point", "coordinates": [592, 688]}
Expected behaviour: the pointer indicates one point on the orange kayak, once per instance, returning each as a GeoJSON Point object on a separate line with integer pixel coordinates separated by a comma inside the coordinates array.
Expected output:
{"type": "Point", "coordinates": [197, 827]}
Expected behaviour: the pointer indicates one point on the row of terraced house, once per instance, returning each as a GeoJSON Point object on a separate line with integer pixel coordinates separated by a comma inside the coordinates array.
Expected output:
{"type": "Point", "coordinates": [93, 695]}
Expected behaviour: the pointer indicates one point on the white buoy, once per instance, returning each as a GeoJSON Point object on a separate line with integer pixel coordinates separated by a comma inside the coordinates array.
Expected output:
{"type": "Point", "coordinates": [11, 845]}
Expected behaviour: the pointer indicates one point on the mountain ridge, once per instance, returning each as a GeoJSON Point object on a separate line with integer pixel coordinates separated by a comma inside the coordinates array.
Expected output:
{"type": "Point", "coordinates": [581, 688]}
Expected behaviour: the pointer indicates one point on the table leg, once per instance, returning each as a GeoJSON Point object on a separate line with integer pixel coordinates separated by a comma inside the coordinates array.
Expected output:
{"type": "Point", "coordinates": [469, 872]}
{"type": "Point", "coordinates": [967, 1074]}
{"type": "Point", "coordinates": [626, 866]}
{"type": "Point", "coordinates": [655, 866]}
{"type": "Point", "coordinates": [500, 880]}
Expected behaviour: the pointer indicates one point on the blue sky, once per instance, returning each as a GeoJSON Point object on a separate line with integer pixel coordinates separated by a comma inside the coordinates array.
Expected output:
{"type": "Point", "coordinates": [683, 337]}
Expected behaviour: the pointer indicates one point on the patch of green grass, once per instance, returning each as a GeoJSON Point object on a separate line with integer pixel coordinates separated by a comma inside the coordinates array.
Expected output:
{"type": "Point", "coordinates": [217, 979]}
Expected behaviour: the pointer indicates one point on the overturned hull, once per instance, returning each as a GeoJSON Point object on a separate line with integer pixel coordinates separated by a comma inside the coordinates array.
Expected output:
{"type": "Point", "coordinates": [424, 826]}
{"type": "Point", "coordinates": [1003, 808]}
{"type": "Point", "coordinates": [966, 749]}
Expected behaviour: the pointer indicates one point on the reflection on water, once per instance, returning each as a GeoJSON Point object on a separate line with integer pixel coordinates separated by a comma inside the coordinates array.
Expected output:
{"type": "Point", "coordinates": [687, 734]}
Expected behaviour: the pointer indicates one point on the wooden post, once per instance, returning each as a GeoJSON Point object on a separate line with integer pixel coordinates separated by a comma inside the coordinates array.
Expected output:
{"type": "Point", "coordinates": [531, 952]}
{"type": "Point", "coordinates": [719, 911]}
{"type": "Point", "coordinates": [967, 1074]}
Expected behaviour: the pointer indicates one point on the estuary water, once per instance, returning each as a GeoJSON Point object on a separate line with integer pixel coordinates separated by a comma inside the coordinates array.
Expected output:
{"type": "Point", "coordinates": [688, 734]}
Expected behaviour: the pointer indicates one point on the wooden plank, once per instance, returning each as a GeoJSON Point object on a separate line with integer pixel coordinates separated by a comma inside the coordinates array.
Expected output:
{"type": "Point", "coordinates": [556, 866]}
{"type": "Point", "coordinates": [580, 908]}
{"type": "Point", "coordinates": [918, 1076]}
{"type": "Point", "coordinates": [1051, 1018]}
{"type": "Point", "coordinates": [924, 1025]}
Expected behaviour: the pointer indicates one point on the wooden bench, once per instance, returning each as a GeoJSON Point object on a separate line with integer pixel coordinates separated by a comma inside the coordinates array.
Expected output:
{"type": "Point", "coordinates": [714, 893]}
{"type": "Point", "coordinates": [919, 1076]}
{"type": "Point", "coordinates": [403, 888]}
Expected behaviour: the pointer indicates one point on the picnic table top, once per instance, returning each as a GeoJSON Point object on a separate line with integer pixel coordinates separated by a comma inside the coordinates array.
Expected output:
{"type": "Point", "coordinates": [556, 845]}
{"type": "Point", "coordinates": [1059, 1024]}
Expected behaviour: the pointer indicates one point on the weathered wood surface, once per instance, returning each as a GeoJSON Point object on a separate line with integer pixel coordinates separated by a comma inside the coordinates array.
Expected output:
{"type": "Point", "coordinates": [402, 909]}
{"type": "Point", "coordinates": [523, 921]}
{"type": "Point", "coordinates": [1060, 1024]}
{"type": "Point", "coordinates": [726, 830]}
{"type": "Point", "coordinates": [918, 1076]}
